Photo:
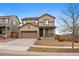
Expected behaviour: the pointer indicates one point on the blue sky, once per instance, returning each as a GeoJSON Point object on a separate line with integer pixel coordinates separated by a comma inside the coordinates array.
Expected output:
{"type": "Point", "coordinates": [25, 10]}
{"type": "Point", "coordinates": [33, 9]}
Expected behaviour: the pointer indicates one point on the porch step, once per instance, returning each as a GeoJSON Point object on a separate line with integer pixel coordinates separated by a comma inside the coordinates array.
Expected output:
{"type": "Point", "coordinates": [47, 38]}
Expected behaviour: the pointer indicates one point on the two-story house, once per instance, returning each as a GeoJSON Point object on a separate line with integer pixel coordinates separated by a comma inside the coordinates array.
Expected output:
{"type": "Point", "coordinates": [34, 27]}
{"type": "Point", "coordinates": [9, 26]}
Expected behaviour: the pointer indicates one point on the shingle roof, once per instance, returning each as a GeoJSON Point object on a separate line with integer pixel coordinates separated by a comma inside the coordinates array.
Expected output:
{"type": "Point", "coordinates": [30, 18]}
{"type": "Point", "coordinates": [36, 18]}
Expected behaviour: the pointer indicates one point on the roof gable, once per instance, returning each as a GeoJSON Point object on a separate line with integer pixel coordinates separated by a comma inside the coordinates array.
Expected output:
{"type": "Point", "coordinates": [47, 15]}
{"type": "Point", "coordinates": [28, 24]}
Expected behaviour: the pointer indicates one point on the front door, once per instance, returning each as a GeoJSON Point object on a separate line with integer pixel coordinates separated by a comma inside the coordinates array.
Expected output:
{"type": "Point", "coordinates": [41, 32]}
{"type": "Point", "coordinates": [0, 30]}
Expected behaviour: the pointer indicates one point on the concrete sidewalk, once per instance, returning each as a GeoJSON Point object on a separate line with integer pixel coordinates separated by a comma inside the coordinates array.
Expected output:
{"type": "Point", "coordinates": [23, 53]}
{"type": "Point", "coordinates": [51, 54]}
{"type": "Point", "coordinates": [25, 48]}
{"type": "Point", "coordinates": [54, 46]}
{"type": "Point", "coordinates": [14, 48]}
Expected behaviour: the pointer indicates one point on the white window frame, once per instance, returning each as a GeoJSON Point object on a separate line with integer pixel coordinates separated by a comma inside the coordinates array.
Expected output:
{"type": "Point", "coordinates": [6, 20]}
{"type": "Point", "coordinates": [46, 22]}
{"type": "Point", "coordinates": [14, 22]}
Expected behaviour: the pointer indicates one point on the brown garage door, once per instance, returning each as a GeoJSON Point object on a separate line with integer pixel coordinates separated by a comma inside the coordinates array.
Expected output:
{"type": "Point", "coordinates": [29, 34]}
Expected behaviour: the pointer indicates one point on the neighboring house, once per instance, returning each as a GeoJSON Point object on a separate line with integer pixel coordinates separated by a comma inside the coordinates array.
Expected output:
{"type": "Point", "coordinates": [42, 26]}
{"type": "Point", "coordinates": [9, 26]}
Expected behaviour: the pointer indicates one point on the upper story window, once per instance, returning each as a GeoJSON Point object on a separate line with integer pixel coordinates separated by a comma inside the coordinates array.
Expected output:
{"type": "Point", "coordinates": [14, 22]}
{"type": "Point", "coordinates": [7, 20]}
{"type": "Point", "coordinates": [45, 21]}
{"type": "Point", "coordinates": [36, 22]}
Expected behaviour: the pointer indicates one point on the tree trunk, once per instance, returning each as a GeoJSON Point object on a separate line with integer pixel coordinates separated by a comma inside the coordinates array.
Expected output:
{"type": "Point", "coordinates": [73, 38]}
{"type": "Point", "coordinates": [73, 43]}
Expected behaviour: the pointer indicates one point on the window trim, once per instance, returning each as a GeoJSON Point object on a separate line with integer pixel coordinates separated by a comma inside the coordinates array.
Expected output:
{"type": "Point", "coordinates": [14, 22]}
{"type": "Point", "coordinates": [6, 20]}
{"type": "Point", "coordinates": [44, 22]}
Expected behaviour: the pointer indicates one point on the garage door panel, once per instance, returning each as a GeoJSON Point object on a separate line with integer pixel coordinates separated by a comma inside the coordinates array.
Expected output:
{"type": "Point", "coordinates": [29, 34]}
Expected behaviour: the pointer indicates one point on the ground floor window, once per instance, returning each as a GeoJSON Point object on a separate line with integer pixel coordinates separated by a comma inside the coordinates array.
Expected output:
{"type": "Point", "coordinates": [50, 30]}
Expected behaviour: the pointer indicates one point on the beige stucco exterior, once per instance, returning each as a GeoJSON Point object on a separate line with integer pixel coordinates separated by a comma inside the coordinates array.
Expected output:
{"type": "Point", "coordinates": [49, 18]}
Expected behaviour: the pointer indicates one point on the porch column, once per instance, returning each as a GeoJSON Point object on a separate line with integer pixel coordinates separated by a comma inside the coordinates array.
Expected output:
{"type": "Point", "coordinates": [38, 33]}
{"type": "Point", "coordinates": [9, 32]}
{"type": "Point", "coordinates": [43, 32]}
{"type": "Point", "coordinates": [6, 34]}
{"type": "Point", "coordinates": [53, 32]}
{"type": "Point", "coordinates": [20, 36]}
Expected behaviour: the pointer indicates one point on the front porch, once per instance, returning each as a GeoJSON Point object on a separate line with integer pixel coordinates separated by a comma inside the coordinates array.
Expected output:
{"type": "Point", "coordinates": [46, 33]}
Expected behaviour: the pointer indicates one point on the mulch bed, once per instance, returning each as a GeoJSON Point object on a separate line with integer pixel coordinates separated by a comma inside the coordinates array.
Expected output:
{"type": "Point", "coordinates": [55, 50]}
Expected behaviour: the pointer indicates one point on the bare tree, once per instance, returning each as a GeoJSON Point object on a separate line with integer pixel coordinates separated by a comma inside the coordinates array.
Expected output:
{"type": "Point", "coordinates": [71, 21]}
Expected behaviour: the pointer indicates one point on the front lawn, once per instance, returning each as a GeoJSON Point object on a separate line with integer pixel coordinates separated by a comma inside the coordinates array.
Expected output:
{"type": "Point", "coordinates": [54, 50]}
{"type": "Point", "coordinates": [55, 43]}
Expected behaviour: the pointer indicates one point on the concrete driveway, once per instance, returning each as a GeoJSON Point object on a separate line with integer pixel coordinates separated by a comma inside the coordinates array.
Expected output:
{"type": "Point", "coordinates": [22, 42]}
{"type": "Point", "coordinates": [18, 45]}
